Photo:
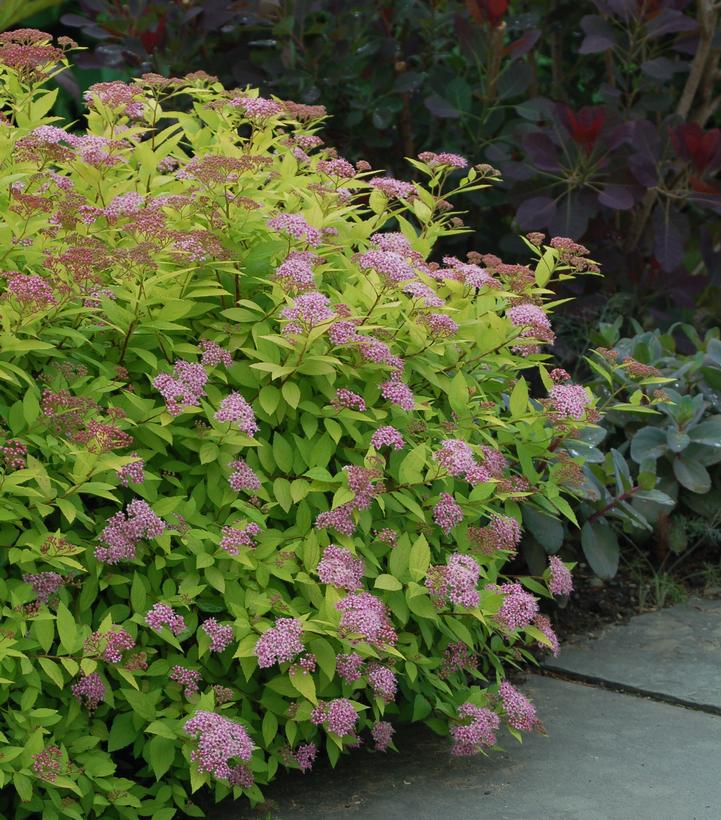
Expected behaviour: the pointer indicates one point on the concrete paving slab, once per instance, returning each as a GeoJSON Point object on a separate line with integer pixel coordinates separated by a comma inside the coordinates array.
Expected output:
{"type": "Point", "coordinates": [608, 756]}
{"type": "Point", "coordinates": [674, 653]}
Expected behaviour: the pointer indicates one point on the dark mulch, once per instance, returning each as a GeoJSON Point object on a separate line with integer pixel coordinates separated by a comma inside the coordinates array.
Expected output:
{"type": "Point", "coordinates": [595, 603]}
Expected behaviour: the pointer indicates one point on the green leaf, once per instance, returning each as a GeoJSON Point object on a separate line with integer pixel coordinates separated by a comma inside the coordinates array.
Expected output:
{"type": "Point", "coordinates": [411, 469]}
{"type": "Point", "coordinates": [303, 682]}
{"type": "Point", "coordinates": [122, 732]}
{"type": "Point", "coordinates": [707, 432]}
{"type": "Point", "coordinates": [518, 402]}
{"type": "Point", "coordinates": [67, 629]}
{"type": "Point", "coordinates": [325, 655]}
{"type": "Point", "coordinates": [600, 546]}
{"type": "Point", "coordinates": [282, 453]}
{"type": "Point", "coordinates": [387, 582]}
{"type": "Point", "coordinates": [677, 440]}
{"type": "Point", "coordinates": [692, 475]}
{"type": "Point", "coordinates": [269, 399]}
{"type": "Point", "coordinates": [546, 529]}
{"type": "Point", "coordinates": [269, 728]}
{"type": "Point", "coordinates": [419, 559]}
{"type": "Point", "coordinates": [649, 442]}
{"type": "Point", "coordinates": [291, 393]}
{"type": "Point", "coordinates": [161, 754]}
{"type": "Point", "coordinates": [53, 671]}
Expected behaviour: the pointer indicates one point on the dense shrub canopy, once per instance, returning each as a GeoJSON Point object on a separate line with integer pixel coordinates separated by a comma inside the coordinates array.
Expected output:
{"type": "Point", "coordinates": [263, 461]}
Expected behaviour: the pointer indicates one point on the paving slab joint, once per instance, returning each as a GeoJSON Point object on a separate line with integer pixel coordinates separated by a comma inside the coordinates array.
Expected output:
{"type": "Point", "coordinates": [625, 689]}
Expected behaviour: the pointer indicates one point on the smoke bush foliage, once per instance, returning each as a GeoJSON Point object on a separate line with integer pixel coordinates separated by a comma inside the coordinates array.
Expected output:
{"type": "Point", "coordinates": [263, 462]}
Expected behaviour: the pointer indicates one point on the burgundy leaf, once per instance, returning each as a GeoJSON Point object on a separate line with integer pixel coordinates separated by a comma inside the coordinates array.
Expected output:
{"type": "Point", "coordinates": [618, 197]}
{"type": "Point", "coordinates": [661, 68]}
{"type": "Point", "coordinates": [535, 213]}
{"type": "Point", "coordinates": [670, 21]}
{"type": "Point", "coordinates": [523, 44]}
{"type": "Point", "coordinates": [441, 108]}
{"type": "Point", "coordinates": [644, 170]}
{"type": "Point", "coordinates": [667, 239]}
{"type": "Point", "coordinates": [600, 36]}
{"type": "Point", "coordinates": [541, 151]}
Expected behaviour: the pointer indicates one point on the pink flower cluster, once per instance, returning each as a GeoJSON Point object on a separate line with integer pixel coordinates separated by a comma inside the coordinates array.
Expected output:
{"type": "Point", "coordinates": [387, 536]}
{"type": "Point", "coordinates": [382, 734]}
{"type": "Point", "coordinates": [44, 584]}
{"type": "Point", "coordinates": [90, 691]}
{"type": "Point", "coordinates": [456, 583]}
{"type": "Point", "coordinates": [536, 326]}
{"type": "Point", "coordinates": [124, 205]}
{"type": "Point", "coordinates": [349, 400]}
{"type": "Point", "coordinates": [234, 408]}
{"type": "Point", "coordinates": [234, 538]}
{"type": "Point", "coordinates": [257, 107]}
{"type": "Point", "coordinates": [307, 311]}
{"type": "Point", "coordinates": [126, 529]}
{"type": "Point", "coordinates": [340, 568]}
{"type": "Point", "coordinates": [305, 756]}
{"type": "Point", "coordinates": [561, 582]}
{"type": "Point", "coordinates": [242, 477]}
{"type": "Point", "coordinates": [519, 607]}
{"type": "Point", "coordinates": [569, 400]}
{"type": "Point", "coordinates": [339, 519]}
{"type": "Point", "coordinates": [447, 513]}
{"type": "Point", "coordinates": [295, 274]}
{"type": "Point", "coordinates": [520, 712]}
{"type": "Point", "coordinates": [443, 158]}
{"type": "Point", "coordinates": [472, 275]}
{"type": "Point", "coordinates": [440, 325]}
{"type": "Point", "coordinates": [501, 533]}
{"type": "Point", "coordinates": [184, 388]}
{"type": "Point", "coordinates": [420, 290]}
{"type": "Point", "coordinates": [394, 187]}
{"type": "Point", "coordinates": [457, 657]}
{"type": "Point", "coordinates": [455, 456]}
{"type": "Point", "coordinates": [387, 437]}
{"type": "Point", "coordinates": [390, 266]}
{"type": "Point", "coordinates": [398, 393]}
{"type": "Point", "coordinates": [382, 681]}
{"type": "Point", "coordinates": [30, 290]}
{"type": "Point", "coordinates": [219, 741]}
{"type": "Point", "coordinates": [364, 614]}
{"type": "Point", "coordinates": [279, 644]}
{"type": "Point", "coordinates": [116, 642]}
{"type": "Point", "coordinates": [469, 738]}
{"type": "Point", "coordinates": [220, 636]}
{"type": "Point", "coordinates": [117, 95]}
{"type": "Point", "coordinates": [339, 716]}
{"type": "Point", "coordinates": [336, 167]}
{"type": "Point", "coordinates": [13, 454]}
{"type": "Point", "coordinates": [543, 624]}
{"type": "Point", "coordinates": [187, 678]}
{"type": "Point", "coordinates": [46, 764]}
{"type": "Point", "coordinates": [162, 615]}
{"type": "Point", "coordinates": [132, 473]}
{"type": "Point", "coordinates": [213, 354]}
{"type": "Point", "coordinates": [349, 667]}
{"type": "Point", "coordinates": [297, 227]}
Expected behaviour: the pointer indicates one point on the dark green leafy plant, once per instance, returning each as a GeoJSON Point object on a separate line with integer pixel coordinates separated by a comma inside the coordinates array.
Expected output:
{"type": "Point", "coordinates": [263, 459]}
{"type": "Point", "coordinates": [652, 475]}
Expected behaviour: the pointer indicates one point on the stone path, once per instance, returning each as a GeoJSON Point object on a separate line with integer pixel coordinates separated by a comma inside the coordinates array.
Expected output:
{"type": "Point", "coordinates": [609, 754]}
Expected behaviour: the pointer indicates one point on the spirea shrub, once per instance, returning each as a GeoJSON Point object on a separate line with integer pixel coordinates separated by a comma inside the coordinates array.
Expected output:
{"type": "Point", "coordinates": [263, 462]}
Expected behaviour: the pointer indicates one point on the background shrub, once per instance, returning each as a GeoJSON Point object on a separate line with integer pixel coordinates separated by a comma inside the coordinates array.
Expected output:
{"type": "Point", "coordinates": [264, 460]}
